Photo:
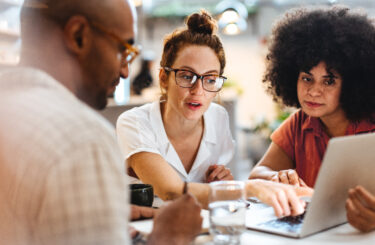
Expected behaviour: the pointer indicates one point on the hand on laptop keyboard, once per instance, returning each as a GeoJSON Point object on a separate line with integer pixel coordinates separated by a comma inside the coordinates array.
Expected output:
{"type": "Point", "coordinates": [288, 223]}
{"type": "Point", "coordinates": [283, 198]}
{"type": "Point", "coordinates": [293, 219]}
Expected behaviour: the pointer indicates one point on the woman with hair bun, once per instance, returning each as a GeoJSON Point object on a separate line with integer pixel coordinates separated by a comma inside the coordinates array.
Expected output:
{"type": "Point", "coordinates": [185, 137]}
{"type": "Point", "coordinates": [182, 127]}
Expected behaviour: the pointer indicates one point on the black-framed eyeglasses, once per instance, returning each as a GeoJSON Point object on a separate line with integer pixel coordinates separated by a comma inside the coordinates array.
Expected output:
{"type": "Point", "coordinates": [187, 79]}
{"type": "Point", "coordinates": [128, 51]}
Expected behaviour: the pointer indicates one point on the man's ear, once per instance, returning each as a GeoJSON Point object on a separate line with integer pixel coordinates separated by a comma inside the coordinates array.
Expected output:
{"type": "Point", "coordinates": [163, 79]}
{"type": "Point", "coordinates": [77, 34]}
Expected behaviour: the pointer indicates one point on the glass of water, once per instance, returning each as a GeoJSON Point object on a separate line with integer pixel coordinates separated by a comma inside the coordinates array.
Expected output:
{"type": "Point", "coordinates": [227, 211]}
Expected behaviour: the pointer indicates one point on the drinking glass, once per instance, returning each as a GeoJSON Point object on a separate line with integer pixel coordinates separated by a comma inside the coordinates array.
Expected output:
{"type": "Point", "coordinates": [227, 211]}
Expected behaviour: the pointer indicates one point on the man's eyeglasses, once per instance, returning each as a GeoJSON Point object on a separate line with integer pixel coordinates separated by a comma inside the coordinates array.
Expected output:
{"type": "Point", "coordinates": [129, 52]}
{"type": "Point", "coordinates": [187, 79]}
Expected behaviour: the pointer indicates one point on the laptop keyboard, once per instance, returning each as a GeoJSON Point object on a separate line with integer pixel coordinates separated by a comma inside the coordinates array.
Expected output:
{"type": "Point", "coordinates": [289, 224]}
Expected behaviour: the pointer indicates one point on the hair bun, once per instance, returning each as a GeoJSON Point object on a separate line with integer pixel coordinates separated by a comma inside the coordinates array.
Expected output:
{"type": "Point", "coordinates": [201, 23]}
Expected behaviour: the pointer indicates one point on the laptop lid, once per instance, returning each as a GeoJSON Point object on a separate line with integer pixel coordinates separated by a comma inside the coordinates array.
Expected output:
{"type": "Point", "coordinates": [348, 161]}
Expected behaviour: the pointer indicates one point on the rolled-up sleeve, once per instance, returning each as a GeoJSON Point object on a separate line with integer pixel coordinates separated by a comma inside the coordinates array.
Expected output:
{"type": "Point", "coordinates": [135, 134]}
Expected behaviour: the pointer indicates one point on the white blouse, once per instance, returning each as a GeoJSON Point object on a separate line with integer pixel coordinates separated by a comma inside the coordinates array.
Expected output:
{"type": "Point", "coordinates": [141, 129]}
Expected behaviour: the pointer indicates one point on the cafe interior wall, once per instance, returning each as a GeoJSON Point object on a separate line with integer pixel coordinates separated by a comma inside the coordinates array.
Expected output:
{"type": "Point", "coordinates": [9, 32]}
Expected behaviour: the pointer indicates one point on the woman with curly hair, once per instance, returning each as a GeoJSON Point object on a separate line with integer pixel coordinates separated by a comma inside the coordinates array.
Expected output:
{"type": "Point", "coordinates": [322, 61]}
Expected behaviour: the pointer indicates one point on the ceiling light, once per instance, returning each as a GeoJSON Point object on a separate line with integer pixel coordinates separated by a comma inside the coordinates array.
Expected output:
{"type": "Point", "coordinates": [232, 17]}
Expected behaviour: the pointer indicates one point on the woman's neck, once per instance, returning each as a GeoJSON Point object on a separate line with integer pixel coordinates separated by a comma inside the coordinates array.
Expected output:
{"type": "Point", "coordinates": [336, 125]}
{"type": "Point", "coordinates": [177, 126]}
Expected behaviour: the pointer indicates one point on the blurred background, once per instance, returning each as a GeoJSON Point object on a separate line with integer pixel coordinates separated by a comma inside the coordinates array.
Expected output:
{"type": "Point", "coordinates": [244, 26]}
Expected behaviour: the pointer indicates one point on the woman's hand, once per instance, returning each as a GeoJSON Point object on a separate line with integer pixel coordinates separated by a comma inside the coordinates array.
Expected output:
{"type": "Point", "coordinates": [288, 176]}
{"type": "Point", "coordinates": [218, 172]}
{"type": "Point", "coordinates": [140, 212]}
{"type": "Point", "coordinates": [360, 208]}
{"type": "Point", "coordinates": [283, 198]}
{"type": "Point", "coordinates": [132, 232]}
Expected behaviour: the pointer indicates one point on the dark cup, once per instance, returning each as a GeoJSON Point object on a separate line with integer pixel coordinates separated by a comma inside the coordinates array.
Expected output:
{"type": "Point", "coordinates": [141, 194]}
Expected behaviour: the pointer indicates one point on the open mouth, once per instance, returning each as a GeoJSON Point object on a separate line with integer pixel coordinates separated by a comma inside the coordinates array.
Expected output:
{"type": "Point", "coordinates": [194, 105]}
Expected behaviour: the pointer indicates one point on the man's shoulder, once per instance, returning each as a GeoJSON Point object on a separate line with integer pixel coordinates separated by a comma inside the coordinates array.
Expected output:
{"type": "Point", "coordinates": [23, 77]}
{"type": "Point", "coordinates": [48, 114]}
{"type": "Point", "coordinates": [85, 124]}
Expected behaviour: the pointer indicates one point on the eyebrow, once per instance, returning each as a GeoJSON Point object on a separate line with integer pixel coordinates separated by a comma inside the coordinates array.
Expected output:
{"type": "Point", "coordinates": [192, 69]}
{"type": "Point", "coordinates": [329, 75]}
{"type": "Point", "coordinates": [307, 72]}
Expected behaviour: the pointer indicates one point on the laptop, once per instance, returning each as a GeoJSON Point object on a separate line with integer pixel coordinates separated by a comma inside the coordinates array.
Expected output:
{"type": "Point", "coordinates": [348, 161]}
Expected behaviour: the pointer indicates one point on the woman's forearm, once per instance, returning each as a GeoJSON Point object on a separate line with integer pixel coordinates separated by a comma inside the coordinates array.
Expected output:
{"type": "Point", "coordinates": [262, 172]}
{"type": "Point", "coordinates": [201, 192]}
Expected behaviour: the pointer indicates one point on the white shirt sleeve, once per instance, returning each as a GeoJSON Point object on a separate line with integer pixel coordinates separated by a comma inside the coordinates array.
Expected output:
{"type": "Point", "coordinates": [135, 134]}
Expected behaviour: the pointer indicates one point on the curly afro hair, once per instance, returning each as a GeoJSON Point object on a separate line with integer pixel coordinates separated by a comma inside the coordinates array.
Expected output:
{"type": "Point", "coordinates": [343, 39]}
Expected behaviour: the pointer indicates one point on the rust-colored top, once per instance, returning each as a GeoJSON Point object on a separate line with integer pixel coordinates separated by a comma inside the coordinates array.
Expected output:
{"type": "Point", "coordinates": [304, 140]}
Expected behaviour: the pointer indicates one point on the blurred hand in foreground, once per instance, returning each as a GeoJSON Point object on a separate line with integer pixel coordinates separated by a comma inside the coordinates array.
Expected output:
{"type": "Point", "coordinates": [140, 212]}
{"type": "Point", "coordinates": [178, 222]}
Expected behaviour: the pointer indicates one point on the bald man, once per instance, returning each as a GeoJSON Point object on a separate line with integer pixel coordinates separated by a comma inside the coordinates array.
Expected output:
{"type": "Point", "coordinates": [62, 178]}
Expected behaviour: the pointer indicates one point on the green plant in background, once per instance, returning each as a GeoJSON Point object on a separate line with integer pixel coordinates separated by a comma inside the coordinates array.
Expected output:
{"type": "Point", "coordinates": [266, 127]}
{"type": "Point", "coordinates": [231, 83]}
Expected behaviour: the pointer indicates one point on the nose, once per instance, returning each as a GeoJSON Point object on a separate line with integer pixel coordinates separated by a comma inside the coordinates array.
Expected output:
{"type": "Point", "coordinates": [315, 90]}
{"type": "Point", "coordinates": [124, 70]}
{"type": "Point", "coordinates": [197, 88]}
